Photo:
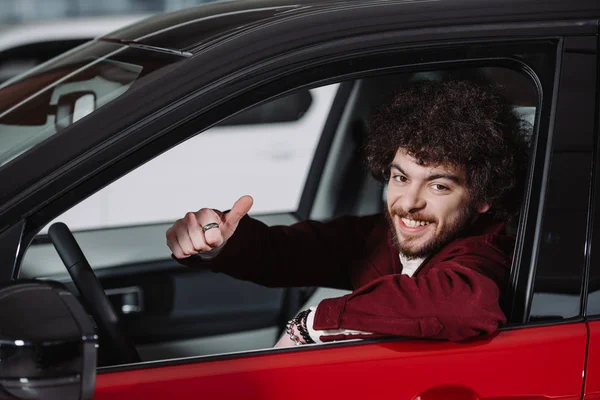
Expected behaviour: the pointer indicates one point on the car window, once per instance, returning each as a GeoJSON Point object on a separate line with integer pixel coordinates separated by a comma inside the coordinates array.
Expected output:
{"type": "Point", "coordinates": [62, 91]}
{"type": "Point", "coordinates": [174, 311]}
{"type": "Point", "coordinates": [17, 60]}
{"type": "Point", "coordinates": [273, 144]}
{"type": "Point", "coordinates": [284, 135]}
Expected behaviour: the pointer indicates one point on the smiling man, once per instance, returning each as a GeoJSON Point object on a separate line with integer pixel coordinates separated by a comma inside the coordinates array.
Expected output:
{"type": "Point", "coordinates": [435, 265]}
{"type": "Point", "coordinates": [427, 206]}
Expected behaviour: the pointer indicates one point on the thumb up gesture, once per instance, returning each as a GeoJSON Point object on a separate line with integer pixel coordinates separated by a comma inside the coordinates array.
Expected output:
{"type": "Point", "coordinates": [205, 229]}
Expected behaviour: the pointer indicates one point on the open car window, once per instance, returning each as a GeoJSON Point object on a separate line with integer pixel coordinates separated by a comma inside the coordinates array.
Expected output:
{"type": "Point", "coordinates": [173, 311]}
{"type": "Point", "coordinates": [273, 153]}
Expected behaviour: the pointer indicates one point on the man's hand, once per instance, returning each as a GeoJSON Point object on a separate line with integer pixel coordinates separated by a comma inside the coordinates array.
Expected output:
{"type": "Point", "coordinates": [285, 341]}
{"type": "Point", "coordinates": [187, 237]}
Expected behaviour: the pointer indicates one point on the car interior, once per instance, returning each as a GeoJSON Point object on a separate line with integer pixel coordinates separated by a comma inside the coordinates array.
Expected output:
{"type": "Point", "coordinates": [170, 311]}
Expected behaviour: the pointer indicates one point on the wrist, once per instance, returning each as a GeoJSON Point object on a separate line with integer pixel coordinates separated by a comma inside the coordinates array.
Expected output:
{"type": "Point", "coordinates": [301, 326]}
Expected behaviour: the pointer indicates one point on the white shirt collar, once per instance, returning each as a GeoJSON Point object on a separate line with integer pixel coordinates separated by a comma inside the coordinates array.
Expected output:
{"type": "Point", "coordinates": [409, 266]}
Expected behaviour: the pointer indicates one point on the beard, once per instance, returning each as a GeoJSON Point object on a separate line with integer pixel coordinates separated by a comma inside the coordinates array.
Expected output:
{"type": "Point", "coordinates": [440, 239]}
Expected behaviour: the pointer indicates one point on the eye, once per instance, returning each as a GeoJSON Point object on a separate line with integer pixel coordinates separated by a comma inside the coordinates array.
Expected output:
{"type": "Point", "coordinates": [439, 188]}
{"type": "Point", "coordinates": [399, 178]}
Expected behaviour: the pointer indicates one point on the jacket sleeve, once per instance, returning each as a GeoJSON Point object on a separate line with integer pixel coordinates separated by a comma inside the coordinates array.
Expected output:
{"type": "Point", "coordinates": [456, 299]}
{"type": "Point", "coordinates": [308, 253]}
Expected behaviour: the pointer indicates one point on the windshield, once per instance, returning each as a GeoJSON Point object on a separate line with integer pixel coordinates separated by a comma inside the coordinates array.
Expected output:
{"type": "Point", "coordinates": [57, 94]}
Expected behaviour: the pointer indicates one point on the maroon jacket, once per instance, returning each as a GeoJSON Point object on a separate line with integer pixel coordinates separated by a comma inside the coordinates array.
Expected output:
{"type": "Point", "coordinates": [453, 295]}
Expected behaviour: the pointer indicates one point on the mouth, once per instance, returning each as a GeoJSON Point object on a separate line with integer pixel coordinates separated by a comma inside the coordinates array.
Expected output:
{"type": "Point", "coordinates": [413, 225]}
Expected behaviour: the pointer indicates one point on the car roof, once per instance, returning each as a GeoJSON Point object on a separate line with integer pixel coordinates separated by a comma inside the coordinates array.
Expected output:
{"type": "Point", "coordinates": [12, 36]}
{"type": "Point", "coordinates": [188, 29]}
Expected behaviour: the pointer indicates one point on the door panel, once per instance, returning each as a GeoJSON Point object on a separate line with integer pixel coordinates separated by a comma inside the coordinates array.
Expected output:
{"type": "Point", "coordinates": [529, 363]}
{"type": "Point", "coordinates": [181, 303]}
{"type": "Point", "coordinates": [183, 312]}
{"type": "Point", "coordinates": [592, 370]}
{"type": "Point", "coordinates": [166, 309]}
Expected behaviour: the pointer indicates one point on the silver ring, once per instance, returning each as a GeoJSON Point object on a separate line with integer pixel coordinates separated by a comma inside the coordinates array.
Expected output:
{"type": "Point", "coordinates": [212, 225]}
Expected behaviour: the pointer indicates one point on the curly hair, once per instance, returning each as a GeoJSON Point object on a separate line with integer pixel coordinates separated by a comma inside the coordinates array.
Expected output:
{"type": "Point", "coordinates": [459, 123]}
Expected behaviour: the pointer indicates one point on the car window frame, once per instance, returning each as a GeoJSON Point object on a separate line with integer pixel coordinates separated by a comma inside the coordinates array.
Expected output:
{"type": "Point", "coordinates": [573, 134]}
{"type": "Point", "coordinates": [593, 264]}
{"type": "Point", "coordinates": [37, 219]}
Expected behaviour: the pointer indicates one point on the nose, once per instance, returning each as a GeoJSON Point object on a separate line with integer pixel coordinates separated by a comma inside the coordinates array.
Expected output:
{"type": "Point", "coordinates": [411, 200]}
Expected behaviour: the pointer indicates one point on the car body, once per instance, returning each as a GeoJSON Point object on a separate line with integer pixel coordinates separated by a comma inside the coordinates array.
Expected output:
{"type": "Point", "coordinates": [177, 75]}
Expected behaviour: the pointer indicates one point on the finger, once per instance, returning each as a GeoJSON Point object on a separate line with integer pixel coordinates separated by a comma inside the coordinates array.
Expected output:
{"type": "Point", "coordinates": [183, 238]}
{"type": "Point", "coordinates": [174, 245]}
{"type": "Point", "coordinates": [213, 237]}
{"type": "Point", "coordinates": [237, 212]}
{"type": "Point", "coordinates": [195, 233]}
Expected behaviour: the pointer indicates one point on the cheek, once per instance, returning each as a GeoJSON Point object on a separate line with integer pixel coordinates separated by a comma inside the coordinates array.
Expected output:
{"type": "Point", "coordinates": [451, 208]}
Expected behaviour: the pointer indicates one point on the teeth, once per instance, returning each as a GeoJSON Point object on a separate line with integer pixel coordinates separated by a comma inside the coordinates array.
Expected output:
{"type": "Point", "coordinates": [413, 224]}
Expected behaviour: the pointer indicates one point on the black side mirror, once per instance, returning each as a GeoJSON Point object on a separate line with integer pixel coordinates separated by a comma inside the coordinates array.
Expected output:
{"type": "Point", "coordinates": [47, 343]}
{"type": "Point", "coordinates": [72, 107]}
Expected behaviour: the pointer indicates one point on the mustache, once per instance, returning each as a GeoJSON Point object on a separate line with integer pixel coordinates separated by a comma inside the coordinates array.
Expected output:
{"type": "Point", "coordinates": [414, 216]}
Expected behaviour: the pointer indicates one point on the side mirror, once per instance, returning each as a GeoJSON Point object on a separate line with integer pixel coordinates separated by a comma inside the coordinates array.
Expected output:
{"type": "Point", "coordinates": [47, 343]}
{"type": "Point", "coordinates": [72, 107]}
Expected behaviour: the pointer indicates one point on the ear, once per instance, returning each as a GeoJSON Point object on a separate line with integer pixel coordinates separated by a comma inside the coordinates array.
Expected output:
{"type": "Point", "coordinates": [483, 208]}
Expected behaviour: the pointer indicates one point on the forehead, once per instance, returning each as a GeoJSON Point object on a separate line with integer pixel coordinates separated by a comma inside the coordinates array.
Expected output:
{"type": "Point", "coordinates": [410, 164]}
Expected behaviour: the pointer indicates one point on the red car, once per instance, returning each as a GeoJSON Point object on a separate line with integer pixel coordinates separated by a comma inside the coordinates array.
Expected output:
{"type": "Point", "coordinates": [83, 123]}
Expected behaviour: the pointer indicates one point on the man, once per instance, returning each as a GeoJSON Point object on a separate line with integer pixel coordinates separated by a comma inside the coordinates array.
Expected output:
{"type": "Point", "coordinates": [436, 265]}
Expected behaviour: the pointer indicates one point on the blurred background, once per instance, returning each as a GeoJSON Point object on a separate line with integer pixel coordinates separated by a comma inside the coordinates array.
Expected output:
{"type": "Point", "coordinates": [24, 11]}
{"type": "Point", "coordinates": [33, 31]}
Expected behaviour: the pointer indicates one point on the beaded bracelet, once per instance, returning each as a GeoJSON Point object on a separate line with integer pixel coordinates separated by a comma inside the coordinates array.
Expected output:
{"type": "Point", "coordinates": [301, 325]}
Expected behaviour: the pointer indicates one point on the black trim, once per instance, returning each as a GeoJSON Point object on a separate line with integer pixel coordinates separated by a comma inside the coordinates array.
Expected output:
{"type": "Point", "coordinates": [594, 190]}
{"type": "Point", "coordinates": [309, 193]}
{"type": "Point", "coordinates": [586, 358]}
{"type": "Point", "coordinates": [530, 222]}
{"type": "Point", "coordinates": [537, 324]}
{"type": "Point", "coordinates": [131, 43]}
{"type": "Point", "coordinates": [10, 243]}
{"type": "Point", "coordinates": [593, 318]}
{"type": "Point", "coordinates": [543, 187]}
{"type": "Point", "coordinates": [594, 195]}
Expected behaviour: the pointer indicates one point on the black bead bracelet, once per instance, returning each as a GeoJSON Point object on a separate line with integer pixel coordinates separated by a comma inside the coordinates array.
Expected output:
{"type": "Point", "coordinates": [300, 321]}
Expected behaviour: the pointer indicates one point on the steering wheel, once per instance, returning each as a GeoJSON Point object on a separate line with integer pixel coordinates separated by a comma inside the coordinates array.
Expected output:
{"type": "Point", "coordinates": [93, 296]}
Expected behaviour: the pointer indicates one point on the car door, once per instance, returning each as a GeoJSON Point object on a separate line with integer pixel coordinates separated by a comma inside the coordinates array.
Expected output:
{"type": "Point", "coordinates": [540, 353]}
